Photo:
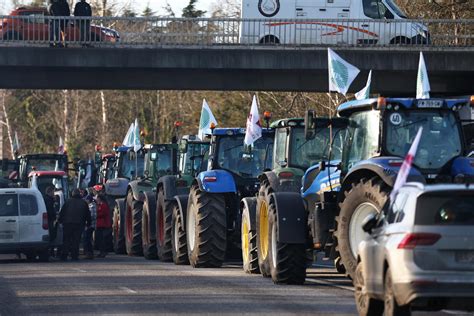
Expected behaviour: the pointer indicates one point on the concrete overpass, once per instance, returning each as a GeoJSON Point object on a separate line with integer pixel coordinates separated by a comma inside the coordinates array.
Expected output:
{"type": "Point", "coordinates": [451, 70]}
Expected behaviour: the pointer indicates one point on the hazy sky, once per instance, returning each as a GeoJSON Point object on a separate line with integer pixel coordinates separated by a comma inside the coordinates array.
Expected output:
{"type": "Point", "coordinates": [156, 5]}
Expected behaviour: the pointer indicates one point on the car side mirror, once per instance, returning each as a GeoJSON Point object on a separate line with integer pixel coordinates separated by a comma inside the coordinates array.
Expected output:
{"type": "Point", "coordinates": [369, 223]}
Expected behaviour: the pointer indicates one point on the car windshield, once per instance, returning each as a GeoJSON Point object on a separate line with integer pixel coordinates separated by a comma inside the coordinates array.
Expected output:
{"type": "Point", "coordinates": [439, 143]}
{"type": "Point", "coordinates": [132, 165]}
{"type": "Point", "coordinates": [396, 9]}
{"type": "Point", "coordinates": [445, 208]}
{"type": "Point", "coordinates": [233, 157]}
{"type": "Point", "coordinates": [305, 153]}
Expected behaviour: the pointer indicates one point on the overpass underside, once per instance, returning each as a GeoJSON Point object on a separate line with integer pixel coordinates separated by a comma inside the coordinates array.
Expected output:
{"type": "Point", "coordinates": [451, 71]}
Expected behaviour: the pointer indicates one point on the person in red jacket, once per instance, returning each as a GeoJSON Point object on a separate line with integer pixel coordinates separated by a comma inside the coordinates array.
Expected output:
{"type": "Point", "coordinates": [103, 225]}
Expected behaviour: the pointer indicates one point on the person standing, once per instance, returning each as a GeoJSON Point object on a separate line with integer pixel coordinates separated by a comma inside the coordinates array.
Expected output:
{"type": "Point", "coordinates": [103, 225]}
{"type": "Point", "coordinates": [89, 231]}
{"type": "Point", "coordinates": [73, 215]}
{"type": "Point", "coordinates": [54, 9]}
{"type": "Point", "coordinates": [64, 12]}
{"type": "Point", "coordinates": [83, 9]}
{"type": "Point", "coordinates": [51, 211]}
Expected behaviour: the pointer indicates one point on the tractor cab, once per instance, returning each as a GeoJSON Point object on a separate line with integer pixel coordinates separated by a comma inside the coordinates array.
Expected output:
{"type": "Point", "coordinates": [160, 160]}
{"type": "Point", "coordinates": [129, 164]}
{"type": "Point", "coordinates": [41, 162]}
{"type": "Point", "coordinates": [9, 169]}
{"type": "Point", "coordinates": [58, 180]}
{"type": "Point", "coordinates": [106, 168]}
{"type": "Point", "coordinates": [192, 154]}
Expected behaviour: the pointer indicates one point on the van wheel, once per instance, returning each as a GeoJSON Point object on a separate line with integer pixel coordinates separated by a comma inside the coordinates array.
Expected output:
{"type": "Point", "coordinates": [391, 307]}
{"type": "Point", "coordinates": [365, 304]}
{"type": "Point", "coordinates": [270, 39]}
{"type": "Point", "coordinates": [400, 40]}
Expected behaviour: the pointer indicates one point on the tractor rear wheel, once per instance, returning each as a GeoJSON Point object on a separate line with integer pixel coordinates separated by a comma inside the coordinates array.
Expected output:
{"type": "Point", "coordinates": [133, 226]}
{"type": "Point", "coordinates": [263, 230]}
{"type": "Point", "coordinates": [287, 261]}
{"type": "Point", "coordinates": [249, 242]}
{"type": "Point", "coordinates": [364, 198]}
{"type": "Point", "coordinates": [148, 227]}
{"type": "Point", "coordinates": [164, 212]}
{"type": "Point", "coordinates": [178, 238]}
{"type": "Point", "coordinates": [206, 229]}
{"type": "Point", "coordinates": [118, 224]}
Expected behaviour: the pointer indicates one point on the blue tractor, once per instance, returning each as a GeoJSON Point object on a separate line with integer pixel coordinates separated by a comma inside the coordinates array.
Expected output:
{"type": "Point", "coordinates": [337, 197]}
{"type": "Point", "coordinates": [213, 210]}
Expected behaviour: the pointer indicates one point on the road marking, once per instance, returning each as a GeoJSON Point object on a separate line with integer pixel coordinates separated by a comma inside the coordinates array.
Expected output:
{"type": "Point", "coordinates": [344, 287]}
{"type": "Point", "coordinates": [80, 270]}
{"type": "Point", "coordinates": [126, 289]}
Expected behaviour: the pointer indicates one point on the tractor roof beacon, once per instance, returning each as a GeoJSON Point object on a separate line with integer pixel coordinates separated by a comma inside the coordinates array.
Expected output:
{"type": "Point", "coordinates": [213, 211]}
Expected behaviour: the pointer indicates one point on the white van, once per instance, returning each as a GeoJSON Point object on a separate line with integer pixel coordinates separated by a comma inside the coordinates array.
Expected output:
{"type": "Point", "coordinates": [328, 22]}
{"type": "Point", "coordinates": [23, 223]}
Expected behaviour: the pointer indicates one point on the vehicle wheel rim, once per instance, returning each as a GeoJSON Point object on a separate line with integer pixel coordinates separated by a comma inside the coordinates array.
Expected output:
{"type": "Point", "coordinates": [359, 288]}
{"type": "Point", "coordinates": [263, 229]}
{"type": "Point", "coordinates": [356, 233]}
{"type": "Point", "coordinates": [245, 240]}
{"type": "Point", "coordinates": [274, 245]}
{"type": "Point", "coordinates": [176, 234]}
{"type": "Point", "coordinates": [191, 228]}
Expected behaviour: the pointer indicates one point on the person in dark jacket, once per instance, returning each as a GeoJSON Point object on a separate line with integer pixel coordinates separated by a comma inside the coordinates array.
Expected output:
{"type": "Point", "coordinates": [74, 216]}
{"type": "Point", "coordinates": [54, 9]}
{"type": "Point", "coordinates": [83, 9]}
{"type": "Point", "coordinates": [51, 211]}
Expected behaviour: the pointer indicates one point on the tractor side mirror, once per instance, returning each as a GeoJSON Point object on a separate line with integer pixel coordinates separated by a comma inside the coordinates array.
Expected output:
{"type": "Point", "coordinates": [309, 124]}
{"type": "Point", "coordinates": [4, 164]}
{"type": "Point", "coordinates": [322, 165]}
{"type": "Point", "coordinates": [153, 156]}
{"type": "Point", "coordinates": [369, 223]}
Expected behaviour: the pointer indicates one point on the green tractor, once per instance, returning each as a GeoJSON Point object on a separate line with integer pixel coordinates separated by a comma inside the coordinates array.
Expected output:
{"type": "Point", "coordinates": [140, 211]}
{"type": "Point", "coordinates": [293, 154]}
{"type": "Point", "coordinates": [172, 190]}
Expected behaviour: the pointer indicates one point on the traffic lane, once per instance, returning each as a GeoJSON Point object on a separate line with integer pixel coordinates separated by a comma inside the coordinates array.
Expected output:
{"type": "Point", "coordinates": [120, 284]}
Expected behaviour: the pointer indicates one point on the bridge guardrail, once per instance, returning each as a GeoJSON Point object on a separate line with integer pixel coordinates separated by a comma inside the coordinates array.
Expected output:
{"type": "Point", "coordinates": [40, 29]}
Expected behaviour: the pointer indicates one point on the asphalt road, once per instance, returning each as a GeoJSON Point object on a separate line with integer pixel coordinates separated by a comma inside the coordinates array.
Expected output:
{"type": "Point", "coordinates": [127, 285]}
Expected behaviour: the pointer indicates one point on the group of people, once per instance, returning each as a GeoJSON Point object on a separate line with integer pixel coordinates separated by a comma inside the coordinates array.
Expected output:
{"type": "Point", "coordinates": [58, 26]}
{"type": "Point", "coordinates": [85, 214]}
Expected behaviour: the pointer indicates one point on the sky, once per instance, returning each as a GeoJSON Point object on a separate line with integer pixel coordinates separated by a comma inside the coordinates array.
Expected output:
{"type": "Point", "coordinates": [156, 5]}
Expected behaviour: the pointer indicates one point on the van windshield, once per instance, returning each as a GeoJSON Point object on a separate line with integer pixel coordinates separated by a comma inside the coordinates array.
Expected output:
{"type": "Point", "coordinates": [396, 9]}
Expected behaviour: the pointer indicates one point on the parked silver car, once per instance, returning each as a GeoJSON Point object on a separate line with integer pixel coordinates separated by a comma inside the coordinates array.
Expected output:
{"type": "Point", "coordinates": [419, 253]}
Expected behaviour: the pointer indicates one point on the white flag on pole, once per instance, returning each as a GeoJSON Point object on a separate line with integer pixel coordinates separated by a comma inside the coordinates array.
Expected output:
{"type": "Point", "coordinates": [128, 140]}
{"type": "Point", "coordinates": [422, 82]}
{"type": "Point", "coordinates": [341, 73]}
{"type": "Point", "coordinates": [61, 146]}
{"type": "Point", "coordinates": [207, 118]}
{"type": "Point", "coordinates": [136, 137]}
{"type": "Point", "coordinates": [406, 166]}
{"type": "Point", "coordinates": [16, 144]}
{"type": "Point", "coordinates": [365, 92]}
{"type": "Point", "coordinates": [254, 128]}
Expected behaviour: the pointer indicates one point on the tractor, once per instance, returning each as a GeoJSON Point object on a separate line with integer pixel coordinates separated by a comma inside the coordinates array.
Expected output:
{"type": "Point", "coordinates": [105, 166]}
{"type": "Point", "coordinates": [292, 155]}
{"type": "Point", "coordinates": [212, 218]}
{"type": "Point", "coordinates": [380, 131]}
{"type": "Point", "coordinates": [9, 171]}
{"type": "Point", "coordinates": [140, 212]}
{"type": "Point", "coordinates": [172, 192]}
{"type": "Point", "coordinates": [40, 162]}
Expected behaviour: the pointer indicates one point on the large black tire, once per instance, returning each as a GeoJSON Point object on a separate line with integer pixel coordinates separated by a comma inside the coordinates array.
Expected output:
{"type": "Point", "coordinates": [164, 212]}
{"type": "Point", "coordinates": [133, 226]}
{"type": "Point", "coordinates": [391, 307]}
{"type": "Point", "coordinates": [148, 227]}
{"type": "Point", "coordinates": [287, 261]}
{"type": "Point", "coordinates": [372, 193]}
{"type": "Point", "coordinates": [249, 242]}
{"type": "Point", "coordinates": [179, 244]}
{"type": "Point", "coordinates": [263, 231]}
{"type": "Point", "coordinates": [118, 224]}
{"type": "Point", "coordinates": [366, 306]}
{"type": "Point", "coordinates": [206, 229]}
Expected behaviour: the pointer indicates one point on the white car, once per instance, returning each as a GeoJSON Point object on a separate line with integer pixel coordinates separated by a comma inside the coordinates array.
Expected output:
{"type": "Point", "coordinates": [419, 254]}
{"type": "Point", "coordinates": [23, 223]}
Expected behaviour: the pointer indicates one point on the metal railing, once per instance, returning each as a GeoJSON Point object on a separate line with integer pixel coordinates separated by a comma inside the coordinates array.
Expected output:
{"type": "Point", "coordinates": [296, 33]}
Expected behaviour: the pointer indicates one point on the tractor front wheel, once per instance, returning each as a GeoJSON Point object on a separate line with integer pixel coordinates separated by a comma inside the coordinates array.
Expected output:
{"type": "Point", "coordinates": [263, 230]}
{"type": "Point", "coordinates": [133, 226]}
{"type": "Point", "coordinates": [164, 212]}
{"type": "Point", "coordinates": [178, 238]}
{"type": "Point", "coordinates": [148, 227]}
{"type": "Point", "coordinates": [118, 223]}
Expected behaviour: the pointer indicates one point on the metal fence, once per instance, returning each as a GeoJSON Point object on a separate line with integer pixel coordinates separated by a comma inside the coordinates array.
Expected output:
{"type": "Point", "coordinates": [39, 29]}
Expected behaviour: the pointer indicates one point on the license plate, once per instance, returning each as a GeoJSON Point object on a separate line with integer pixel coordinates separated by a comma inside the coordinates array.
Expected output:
{"type": "Point", "coordinates": [465, 256]}
{"type": "Point", "coordinates": [6, 236]}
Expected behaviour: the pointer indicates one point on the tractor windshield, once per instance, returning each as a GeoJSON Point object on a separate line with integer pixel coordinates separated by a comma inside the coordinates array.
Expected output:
{"type": "Point", "coordinates": [305, 153]}
{"type": "Point", "coordinates": [164, 162]}
{"type": "Point", "coordinates": [131, 165]}
{"type": "Point", "coordinates": [231, 155]}
{"type": "Point", "coordinates": [194, 158]}
{"type": "Point", "coordinates": [41, 164]}
{"type": "Point", "coordinates": [440, 140]}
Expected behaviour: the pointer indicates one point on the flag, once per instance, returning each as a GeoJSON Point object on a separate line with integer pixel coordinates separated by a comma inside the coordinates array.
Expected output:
{"type": "Point", "coordinates": [254, 128]}
{"type": "Point", "coordinates": [207, 118]}
{"type": "Point", "coordinates": [365, 92]}
{"type": "Point", "coordinates": [16, 144]}
{"type": "Point", "coordinates": [341, 73]}
{"type": "Point", "coordinates": [136, 137]}
{"type": "Point", "coordinates": [61, 146]}
{"type": "Point", "coordinates": [422, 81]}
{"type": "Point", "coordinates": [128, 140]}
{"type": "Point", "coordinates": [406, 166]}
